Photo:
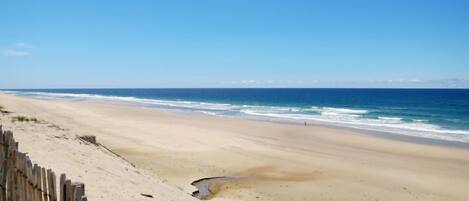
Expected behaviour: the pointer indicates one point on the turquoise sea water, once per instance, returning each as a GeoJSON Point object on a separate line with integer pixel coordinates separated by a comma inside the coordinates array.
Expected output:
{"type": "Point", "coordinates": [430, 113]}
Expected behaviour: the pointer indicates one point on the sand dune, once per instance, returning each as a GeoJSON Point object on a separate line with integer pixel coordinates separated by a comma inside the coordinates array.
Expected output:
{"type": "Point", "coordinates": [106, 176]}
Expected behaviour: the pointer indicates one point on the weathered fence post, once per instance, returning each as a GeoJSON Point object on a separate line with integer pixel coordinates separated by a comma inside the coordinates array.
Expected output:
{"type": "Point", "coordinates": [4, 173]}
{"type": "Point", "coordinates": [45, 191]}
{"type": "Point", "coordinates": [68, 190]}
{"type": "Point", "coordinates": [62, 187]}
{"type": "Point", "coordinates": [51, 185]}
{"type": "Point", "coordinates": [30, 180]}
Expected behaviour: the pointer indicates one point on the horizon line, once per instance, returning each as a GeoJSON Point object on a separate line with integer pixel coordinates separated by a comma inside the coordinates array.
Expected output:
{"type": "Point", "coordinates": [5, 89]}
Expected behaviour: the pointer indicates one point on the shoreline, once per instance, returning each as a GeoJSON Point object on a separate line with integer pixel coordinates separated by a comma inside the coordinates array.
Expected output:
{"type": "Point", "coordinates": [362, 118]}
{"type": "Point", "coordinates": [372, 132]}
{"type": "Point", "coordinates": [282, 161]}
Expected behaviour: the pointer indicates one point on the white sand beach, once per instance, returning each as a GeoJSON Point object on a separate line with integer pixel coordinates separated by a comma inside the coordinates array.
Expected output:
{"type": "Point", "coordinates": [271, 161]}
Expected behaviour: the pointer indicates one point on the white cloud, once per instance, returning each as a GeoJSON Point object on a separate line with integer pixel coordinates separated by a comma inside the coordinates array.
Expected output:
{"type": "Point", "coordinates": [270, 83]}
{"type": "Point", "coordinates": [23, 45]}
{"type": "Point", "coordinates": [15, 53]}
{"type": "Point", "coordinates": [248, 81]}
{"type": "Point", "coordinates": [409, 83]}
{"type": "Point", "coordinates": [19, 49]}
{"type": "Point", "coordinates": [391, 83]}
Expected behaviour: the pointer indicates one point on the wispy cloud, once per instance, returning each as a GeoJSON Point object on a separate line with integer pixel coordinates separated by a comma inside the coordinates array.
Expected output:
{"type": "Point", "coordinates": [248, 82]}
{"type": "Point", "coordinates": [269, 83]}
{"type": "Point", "coordinates": [19, 49]}
{"type": "Point", "coordinates": [454, 82]}
{"type": "Point", "coordinates": [408, 83]}
{"type": "Point", "coordinates": [15, 53]}
{"type": "Point", "coordinates": [389, 83]}
{"type": "Point", "coordinates": [23, 45]}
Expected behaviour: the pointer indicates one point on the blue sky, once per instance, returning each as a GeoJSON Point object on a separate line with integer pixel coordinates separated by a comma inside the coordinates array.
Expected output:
{"type": "Point", "coordinates": [242, 43]}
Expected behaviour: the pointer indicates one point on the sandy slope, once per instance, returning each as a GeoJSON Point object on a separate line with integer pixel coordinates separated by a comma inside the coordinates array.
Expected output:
{"type": "Point", "coordinates": [106, 176]}
{"type": "Point", "coordinates": [276, 161]}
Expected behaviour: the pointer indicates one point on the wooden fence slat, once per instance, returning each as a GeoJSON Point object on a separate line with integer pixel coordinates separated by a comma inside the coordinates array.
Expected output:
{"type": "Point", "coordinates": [26, 181]}
{"type": "Point", "coordinates": [51, 185]}
{"type": "Point", "coordinates": [38, 183]}
{"type": "Point", "coordinates": [13, 172]}
{"type": "Point", "coordinates": [34, 182]}
{"type": "Point", "coordinates": [9, 176]}
{"type": "Point", "coordinates": [16, 178]}
{"type": "Point", "coordinates": [77, 191]}
{"type": "Point", "coordinates": [45, 192]}
{"type": "Point", "coordinates": [23, 178]}
{"type": "Point", "coordinates": [82, 186]}
{"type": "Point", "coordinates": [8, 168]}
{"type": "Point", "coordinates": [74, 192]}
{"type": "Point", "coordinates": [19, 162]}
{"type": "Point", "coordinates": [11, 164]}
{"type": "Point", "coordinates": [82, 191]}
{"type": "Point", "coordinates": [54, 186]}
{"type": "Point", "coordinates": [62, 187]}
{"type": "Point", "coordinates": [29, 170]}
{"type": "Point", "coordinates": [9, 173]}
{"type": "Point", "coordinates": [68, 190]}
{"type": "Point", "coordinates": [5, 140]}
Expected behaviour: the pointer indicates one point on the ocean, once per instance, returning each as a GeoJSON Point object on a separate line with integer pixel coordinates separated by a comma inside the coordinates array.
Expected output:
{"type": "Point", "coordinates": [429, 113]}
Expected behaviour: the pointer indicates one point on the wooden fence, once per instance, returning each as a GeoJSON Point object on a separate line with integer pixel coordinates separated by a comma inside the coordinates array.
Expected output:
{"type": "Point", "coordinates": [20, 180]}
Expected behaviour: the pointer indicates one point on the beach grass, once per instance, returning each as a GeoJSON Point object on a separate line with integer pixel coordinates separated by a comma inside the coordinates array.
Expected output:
{"type": "Point", "coordinates": [25, 119]}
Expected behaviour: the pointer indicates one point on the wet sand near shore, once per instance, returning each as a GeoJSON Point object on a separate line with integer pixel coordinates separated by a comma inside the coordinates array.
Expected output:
{"type": "Point", "coordinates": [270, 161]}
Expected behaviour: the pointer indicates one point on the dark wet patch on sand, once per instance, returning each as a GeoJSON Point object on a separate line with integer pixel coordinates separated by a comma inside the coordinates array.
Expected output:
{"type": "Point", "coordinates": [205, 186]}
{"type": "Point", "coordinates": [211, 186]}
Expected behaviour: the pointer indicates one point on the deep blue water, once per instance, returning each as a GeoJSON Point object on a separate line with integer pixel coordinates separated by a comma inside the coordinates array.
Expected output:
{"type": "Point", "coordinates": [432, 113]}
